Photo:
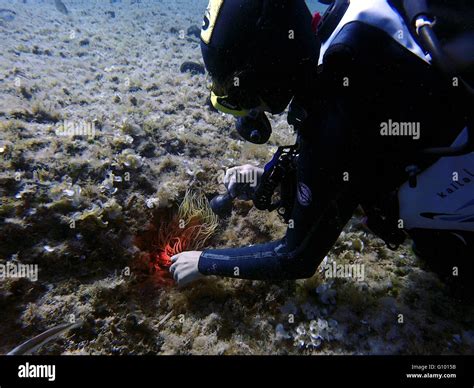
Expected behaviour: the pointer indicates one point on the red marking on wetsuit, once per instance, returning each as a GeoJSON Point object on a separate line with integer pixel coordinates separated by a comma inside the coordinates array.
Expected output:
{"type": "Point", "coordinates": [315, 22]}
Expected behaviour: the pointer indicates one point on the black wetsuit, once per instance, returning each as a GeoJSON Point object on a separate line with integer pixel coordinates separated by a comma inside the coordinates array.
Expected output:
{"type": "Point", "coordinates": [342, 135]}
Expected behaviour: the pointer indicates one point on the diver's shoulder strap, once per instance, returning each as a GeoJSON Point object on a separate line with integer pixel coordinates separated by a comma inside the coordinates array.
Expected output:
{"type": "Point", "coordinates": [331, 18]}
{"type": "Point", "coordinates": [378, 14]}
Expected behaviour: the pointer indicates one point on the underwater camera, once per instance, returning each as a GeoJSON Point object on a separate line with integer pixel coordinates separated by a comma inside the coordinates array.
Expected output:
{"type": "Point", "coordinates": [280, 172]}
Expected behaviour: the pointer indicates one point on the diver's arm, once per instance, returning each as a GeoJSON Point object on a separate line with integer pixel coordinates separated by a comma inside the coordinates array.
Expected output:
{"type": "Point", "coordinates": [320, 212]}
{"type": "Point", "coordinates": [293, 257]}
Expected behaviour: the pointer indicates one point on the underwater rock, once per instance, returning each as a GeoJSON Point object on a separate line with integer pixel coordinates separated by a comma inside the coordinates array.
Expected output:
{"type": "Point", "coordinates": [153, 88]}
{"type": "Point", "coordinates": [147, 150]}
{"type": "Point", "coordinates": [174, 147]}
{"type": "Point", "coordinates": [388, 303]}
{"type": "Point", "coordinates": [194, 31]}
{"type": "Point", "coordinates": [66, 194]}
{"type": "Point", "coordinates": [107, 185]}
{"type": "Point", "coordinates": [61, 7]}
{"type": "Point", "coordinates": [192, 67]}
{"type": "Point", "coordinates": [326, 294]}
{"type": "Point", "coordinates": [318, 331]}
{"type": "Point", "coordinates": [134, 89]}
{"type": "Point", "coordinates": [280, 333]}
{"type": "Point", "coordinates": [289, 308]}
{"type": "Point", "coordinates": [7, 15]}
{"type": "Point", "coordinates": [310, 311]}
{"type": "Point", "coordinates": [36, 50]}
{"type": "Point", "coordinates": [152, 203]}
{"type": "Point", "coordinates": [25, 93]}
{"type": "Point", "coordinates": [94, 215]}
{"type": "Point", "coordinates": [128, 158]}
{"type": "Point", "coordinates": [112, 209]}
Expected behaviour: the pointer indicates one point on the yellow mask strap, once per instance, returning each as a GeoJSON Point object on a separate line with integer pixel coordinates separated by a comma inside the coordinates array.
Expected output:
{"type": "Point", "coordinates": [223, 105]}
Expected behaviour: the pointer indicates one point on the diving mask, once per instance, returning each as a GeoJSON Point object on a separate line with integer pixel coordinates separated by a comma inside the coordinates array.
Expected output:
{"type": "Point", "coordinates": [230, 105]}
{"type": "Point", "coordinates": [252, 124]}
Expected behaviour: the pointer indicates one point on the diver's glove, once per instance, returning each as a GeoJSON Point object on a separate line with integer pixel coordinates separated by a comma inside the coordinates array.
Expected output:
{"type": "Point", "coordinates": [185, 267]}
{"type": "Point", "coordinates": [242, 181]}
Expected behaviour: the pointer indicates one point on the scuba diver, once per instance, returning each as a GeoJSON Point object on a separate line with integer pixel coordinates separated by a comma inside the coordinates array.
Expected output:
{"type": "Point", "coordinates": [380, 100]}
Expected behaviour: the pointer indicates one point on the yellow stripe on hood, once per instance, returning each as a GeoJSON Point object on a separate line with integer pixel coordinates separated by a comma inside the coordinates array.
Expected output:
{"type": "Point", "coordinates": [210, 18]}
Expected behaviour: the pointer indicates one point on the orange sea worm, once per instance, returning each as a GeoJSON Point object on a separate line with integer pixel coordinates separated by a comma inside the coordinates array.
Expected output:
{"type": "Point", "coordinates": [174, 231]}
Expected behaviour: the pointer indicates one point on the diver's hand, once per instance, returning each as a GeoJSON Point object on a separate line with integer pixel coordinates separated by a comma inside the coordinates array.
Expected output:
{"type": "Point", "coordinates": [241, 181]}
{"type": "Point", "coordinates": [185, 267]}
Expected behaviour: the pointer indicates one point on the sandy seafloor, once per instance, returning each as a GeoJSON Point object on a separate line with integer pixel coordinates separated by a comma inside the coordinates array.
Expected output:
{"type": "Point", "coordinates": [152, 122]}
